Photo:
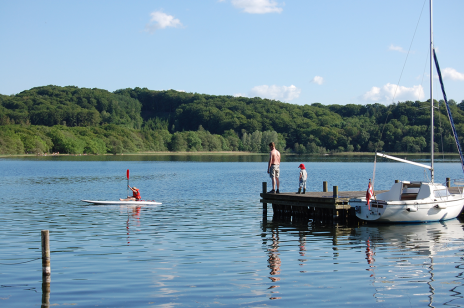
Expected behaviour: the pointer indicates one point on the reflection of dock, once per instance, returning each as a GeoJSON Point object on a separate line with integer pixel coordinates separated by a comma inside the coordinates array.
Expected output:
{"type": "Point", "coordinates": [316, 205]}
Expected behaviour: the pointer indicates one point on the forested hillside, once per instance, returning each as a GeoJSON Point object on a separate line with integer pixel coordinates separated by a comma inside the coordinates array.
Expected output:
{"type": "Point", "coordinates": [95, 121]}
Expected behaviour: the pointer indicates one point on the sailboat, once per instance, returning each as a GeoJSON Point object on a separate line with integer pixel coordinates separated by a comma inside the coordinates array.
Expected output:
{"type": "Point", "coordinates": [415, 201]}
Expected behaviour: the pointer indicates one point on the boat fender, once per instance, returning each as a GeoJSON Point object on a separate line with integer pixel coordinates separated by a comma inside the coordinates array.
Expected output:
{"type": "Point", "coordinates": [411, 209]}
{"type": "Point", "coordinates": [438, 206]}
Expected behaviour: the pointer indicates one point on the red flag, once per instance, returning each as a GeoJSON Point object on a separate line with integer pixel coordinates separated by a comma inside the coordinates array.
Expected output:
{"type": "Point", "coordinates": [369, 194]}
{"type": "Point", "coordinates": [127, 173]}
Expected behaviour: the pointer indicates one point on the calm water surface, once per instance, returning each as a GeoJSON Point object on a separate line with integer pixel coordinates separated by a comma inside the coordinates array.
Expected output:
{"type": "Point", "coordinates": [208, 244]}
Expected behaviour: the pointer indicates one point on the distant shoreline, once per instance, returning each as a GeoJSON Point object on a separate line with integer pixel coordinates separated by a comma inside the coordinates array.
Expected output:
{"type": "Point", "coordinates": [205, 153]}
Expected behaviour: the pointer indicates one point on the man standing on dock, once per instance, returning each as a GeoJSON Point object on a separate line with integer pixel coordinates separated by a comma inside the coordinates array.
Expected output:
{"type": "Point", "coordinates": [273, 167]}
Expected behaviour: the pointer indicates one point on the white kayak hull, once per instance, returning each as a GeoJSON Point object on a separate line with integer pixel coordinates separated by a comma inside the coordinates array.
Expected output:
{"type": "Point", "coordinates": [141, 202]}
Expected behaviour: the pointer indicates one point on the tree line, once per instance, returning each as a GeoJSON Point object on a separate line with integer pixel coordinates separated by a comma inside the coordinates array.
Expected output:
{"type": "Point", "coordinates": [95, 121]}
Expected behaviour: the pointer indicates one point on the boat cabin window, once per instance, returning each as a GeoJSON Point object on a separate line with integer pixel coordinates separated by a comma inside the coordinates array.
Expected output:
{"type": "Point", "coordinates": [410, 191]}
{"type": "Point", "coordinates": [441, 193]}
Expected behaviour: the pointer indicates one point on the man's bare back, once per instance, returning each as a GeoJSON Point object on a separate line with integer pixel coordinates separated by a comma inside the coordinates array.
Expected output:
{"type": "Point", "coordinates": [273, 167]}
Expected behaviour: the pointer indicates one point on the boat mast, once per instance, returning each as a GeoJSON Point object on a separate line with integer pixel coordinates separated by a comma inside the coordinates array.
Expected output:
{"type": "Point", "coordinates": [432, 145]}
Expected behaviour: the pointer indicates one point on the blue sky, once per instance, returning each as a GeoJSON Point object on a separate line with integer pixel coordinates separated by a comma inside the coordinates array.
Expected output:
{"type": "Point", "coordinates": [301, 52]}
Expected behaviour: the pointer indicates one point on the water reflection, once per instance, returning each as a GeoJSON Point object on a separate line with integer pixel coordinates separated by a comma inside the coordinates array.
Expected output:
{"type": "Point", "coordinates": [302, 242]}
{"type": "Point", "coordinates": [45, 291]}
{"type": "Point", "coordinates": [406, 257]}
{"type": "Point", "coordinates": [134, 212]}
{"type": "Point", "coordinates": [274, 262]}
{"type": "Point", "coordinates": [414, 263]}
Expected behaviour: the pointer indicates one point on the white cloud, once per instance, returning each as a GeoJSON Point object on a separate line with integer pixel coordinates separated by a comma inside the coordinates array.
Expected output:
{"type": "Point", "coordinates": [318, 79]}
{"type": "Point", "coordinates": [240, 95]}
{"type": "Point", "coordinates": [388, 91]}
{"type": "Point", "coordinates": [257, 6]}
{"type": "Point", "coordinates": [282, 93]}
{"type": "Point", "coordinates": [160, 20]}
{"type": "Point", "coordinates": [396, 48]}
{"type": "Point", "coordinates": [451, 73]}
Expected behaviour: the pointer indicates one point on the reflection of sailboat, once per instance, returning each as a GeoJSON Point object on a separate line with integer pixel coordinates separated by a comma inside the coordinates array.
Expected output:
{"type": "Point", "coordinates": [411, 256]}
{"type": "Point", "coordinates": [422, 239]}
{"type": "Point", "coordinates": [409, 201]}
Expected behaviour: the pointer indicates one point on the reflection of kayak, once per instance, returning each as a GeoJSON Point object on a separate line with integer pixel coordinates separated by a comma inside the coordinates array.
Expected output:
{"type": "Point", "coordinates": [141, 202]}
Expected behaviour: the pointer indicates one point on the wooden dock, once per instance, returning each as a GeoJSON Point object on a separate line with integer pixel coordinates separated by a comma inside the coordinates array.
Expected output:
{"type": "Point", "coordinates": [315, 205]}
{"type": "Point", "coordinates": [324, 200]}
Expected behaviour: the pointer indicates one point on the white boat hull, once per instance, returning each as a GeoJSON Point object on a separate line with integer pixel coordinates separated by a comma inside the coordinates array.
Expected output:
{"type": "Point", "coordinates": [141, 202]}
{"type": "Point", "coordinates": [403, 212]}
{"type": "Point", "coordinates": [432, 202]}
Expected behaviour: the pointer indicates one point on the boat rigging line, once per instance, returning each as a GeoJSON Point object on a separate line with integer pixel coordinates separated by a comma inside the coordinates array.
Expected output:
{"type": "Point", "coordinates": [396, 90]}
{"type": "Point", "coordinates": [401, 75]}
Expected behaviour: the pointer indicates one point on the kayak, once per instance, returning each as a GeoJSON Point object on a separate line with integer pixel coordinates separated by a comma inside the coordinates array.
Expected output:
{"type": "Point", "coordinates": [141, 202]}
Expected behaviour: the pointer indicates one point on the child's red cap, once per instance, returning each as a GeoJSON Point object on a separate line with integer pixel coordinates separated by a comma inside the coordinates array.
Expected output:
{"type": "Point", "coordinates": [301, 166]}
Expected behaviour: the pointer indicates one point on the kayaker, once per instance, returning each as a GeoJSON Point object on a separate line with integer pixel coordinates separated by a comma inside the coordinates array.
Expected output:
{"type": "Point", "coordinates": [135, 195]}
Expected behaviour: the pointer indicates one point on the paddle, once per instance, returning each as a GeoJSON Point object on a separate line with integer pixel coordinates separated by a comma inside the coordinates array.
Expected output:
{"type": "Point", "coordinates": [127, 174]}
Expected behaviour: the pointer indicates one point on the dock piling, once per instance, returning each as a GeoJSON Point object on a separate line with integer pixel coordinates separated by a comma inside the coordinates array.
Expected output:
{"type": "Point", "coordinates": [324, 186]}
{"type": "Point", "coordinates": [264, 204]}
{"type": "Point", "coordinates": [335, 191]}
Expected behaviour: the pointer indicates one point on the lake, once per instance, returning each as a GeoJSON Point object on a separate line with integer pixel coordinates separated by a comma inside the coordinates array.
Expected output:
{"type": "Point", "coordinates": [208, 244]}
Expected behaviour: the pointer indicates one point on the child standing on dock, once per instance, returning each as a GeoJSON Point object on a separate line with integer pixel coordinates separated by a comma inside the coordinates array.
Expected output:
{"type": "Point", "coordinates": [302, 179]}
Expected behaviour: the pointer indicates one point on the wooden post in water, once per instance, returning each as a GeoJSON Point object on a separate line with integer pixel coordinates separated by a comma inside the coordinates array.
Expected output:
{"type": "Point", "coordinates": [45, 253]}
{"type": "Point", "coordinates": [45, 241]}
{"type": "Point", "coordinates": [324, 186]}
{"type": "Point", "coordinates": [335, 191]}
{"type": "Point", "coordinates": [397, 181]}
{"type": "Point", "coordinates": [264, 204]}
{"type": "Point", "coordinates": [448, 182]}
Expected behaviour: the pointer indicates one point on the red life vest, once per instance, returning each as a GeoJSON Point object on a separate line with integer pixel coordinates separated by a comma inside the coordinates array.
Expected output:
{"type": "Point", "coordinates": [136, 194]}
